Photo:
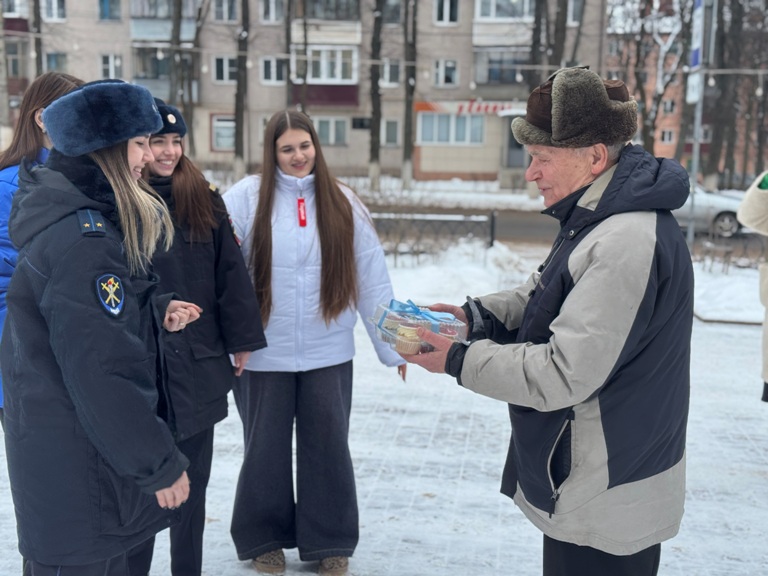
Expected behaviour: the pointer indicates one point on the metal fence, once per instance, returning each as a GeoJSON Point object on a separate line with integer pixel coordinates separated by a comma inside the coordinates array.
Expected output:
{"type": "Point", "coordinates": [417, 235]}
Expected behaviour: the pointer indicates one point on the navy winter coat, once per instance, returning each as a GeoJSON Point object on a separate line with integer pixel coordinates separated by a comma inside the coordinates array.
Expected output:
{"type": "Point", "coordinates": [86, 450]}
{"type": "Point", "coordinates": [210, 272]}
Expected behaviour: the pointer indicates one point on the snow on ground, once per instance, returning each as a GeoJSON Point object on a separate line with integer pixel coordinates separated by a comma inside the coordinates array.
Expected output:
{"type": "Point", "coordinates": [429, 455]}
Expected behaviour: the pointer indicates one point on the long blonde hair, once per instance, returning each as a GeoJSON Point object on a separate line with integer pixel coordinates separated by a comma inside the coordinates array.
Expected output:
{"type": "Point", "coordinates": [144, 216]}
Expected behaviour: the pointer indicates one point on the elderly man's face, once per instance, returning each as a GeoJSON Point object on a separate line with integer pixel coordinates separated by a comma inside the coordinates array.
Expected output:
{"type": "Point", "coordinates": [559, 172]}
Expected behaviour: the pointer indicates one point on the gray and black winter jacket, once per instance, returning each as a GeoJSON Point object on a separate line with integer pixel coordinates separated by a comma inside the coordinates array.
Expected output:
{"type": "Point", "coordinates": [593, 355]}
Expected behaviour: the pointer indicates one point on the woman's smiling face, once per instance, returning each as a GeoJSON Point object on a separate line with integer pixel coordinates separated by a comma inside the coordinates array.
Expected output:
{"type": "Point", "coordinates": [295, 153]}
{"type": "Point", "coordinates": [139, 154]}
{"type": "Point", "coordinates": [167, 151]}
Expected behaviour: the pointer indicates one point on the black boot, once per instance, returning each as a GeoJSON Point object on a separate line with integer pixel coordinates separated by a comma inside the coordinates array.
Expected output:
{"type": "Point", "coordinates": [765, 391]}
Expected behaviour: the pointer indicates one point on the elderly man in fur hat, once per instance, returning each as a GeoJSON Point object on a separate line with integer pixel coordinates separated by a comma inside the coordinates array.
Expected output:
{"type": "Point", "coordinates": [592, 354]}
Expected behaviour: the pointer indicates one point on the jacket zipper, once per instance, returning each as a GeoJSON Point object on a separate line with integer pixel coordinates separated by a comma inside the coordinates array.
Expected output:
{"type": "Point", "coordinates": [556, 491]}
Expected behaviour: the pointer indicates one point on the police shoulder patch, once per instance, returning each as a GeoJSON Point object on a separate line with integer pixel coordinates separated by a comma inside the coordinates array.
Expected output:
{"type": "Point", "coordinates": [109, 289]}
{"type": "Point", "coordinates": [91, 223]}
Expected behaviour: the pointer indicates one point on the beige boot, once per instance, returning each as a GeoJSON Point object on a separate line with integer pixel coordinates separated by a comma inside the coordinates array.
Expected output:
{"type": "Point", "coordinates": [334, 566]}
{"type": "Point", "coordinates": [270, 563]}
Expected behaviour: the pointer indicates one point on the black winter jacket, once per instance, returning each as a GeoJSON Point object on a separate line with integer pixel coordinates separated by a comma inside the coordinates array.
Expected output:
{"type": "Point", "coordinates": [86, 451]}
{"type": "Point", "coordinates": [211, 273]}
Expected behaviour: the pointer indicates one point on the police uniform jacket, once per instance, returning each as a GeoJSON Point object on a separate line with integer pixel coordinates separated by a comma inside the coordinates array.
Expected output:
{"type": "Point", "coordinates": [86, 450]}
{"type": "Point", "coordinates": [593, 357]}
{"type": "Point", "coordinates": [210, 272]}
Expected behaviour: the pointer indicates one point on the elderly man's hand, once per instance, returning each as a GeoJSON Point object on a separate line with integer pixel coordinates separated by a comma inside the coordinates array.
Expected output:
{"type": "Point", "coordinates": [457, 311]}
{"type": "Point", "coordinates": [433, 361]}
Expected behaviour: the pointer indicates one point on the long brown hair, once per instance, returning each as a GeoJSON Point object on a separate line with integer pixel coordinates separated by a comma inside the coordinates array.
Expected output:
{"type": "Point", "coordinates": [191, 196]}
{"type": "Point", "coordinates": [28, 139]}
{"type": "Point", "coordinates": [335, 225]}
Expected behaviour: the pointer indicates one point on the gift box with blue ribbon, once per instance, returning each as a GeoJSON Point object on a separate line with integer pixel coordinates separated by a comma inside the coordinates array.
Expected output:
{"type": "Point", "coordinates": [396, 324]}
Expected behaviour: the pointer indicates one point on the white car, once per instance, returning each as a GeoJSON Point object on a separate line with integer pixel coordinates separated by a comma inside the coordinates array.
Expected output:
{"type": "Point", "coordinates": [713, 213]}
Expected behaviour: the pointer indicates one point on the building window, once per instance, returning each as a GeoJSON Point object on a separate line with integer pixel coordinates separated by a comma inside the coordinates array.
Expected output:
{"type": "Point", "coordinates": [500, 66]}
{"type": "Point", "coordinates": [668, 106]}
{"type": "Point", "coordinates": [12, 8]}
{"type": "Point", "coordinates": [151, 64]}
{"type": "Point", "coordinates": [575, 11]}
{"type": "Point", "coordinates": [390, 133]}
{"type": "Point", "coordinates": [272, 10]}
{"type": "Point", "coordinates": [14, 58]}
{"type": "Point", "coordinates": [458, 129]}
{"type": "Point", "coordinates": [224, 69]}
{"type": "Point", "coordinates": [667, 136]}
{"type": "Point", "coordinates": [222, 133]}
{"type": "Point", "coordinates": [111, 66]}
{"type": "Point", "coordinates": [56, 61]}
{"type": "Point", "coordinates": [331, 131]}
{"type": "Point", "coordinates": [109, 9]}
{"type": "Point", "coordinates": [162, 8]}
{"type": "Point", "coordinates": [54, 10]}
{"type": "Point", "coordinates": [446, 11]}
{"type": "Point", "coordinates": [224, 11]}
{"type": "Point", "coordinates": [446, 73]}
{"type": "Point", "coordinates": [505, 9]}
{"type": "Point", "coordinates": [391, 12]}
{"type": "Point", "coordinates": [331, 10]}
{"type": "Point", "coordinates": [327, 65]}
{"type": "Point", "coordinates": [272, 70]}
{"type": "Point", "coordinates": [390, 72]}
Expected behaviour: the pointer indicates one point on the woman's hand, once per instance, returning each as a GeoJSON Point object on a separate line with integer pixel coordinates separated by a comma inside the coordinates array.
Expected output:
{"type": "Point", "coordinates": [179, 314]}
{"type": "Point", "coordinates": [175, 495]}
{"type": "Point", "coordinates": [240, 359]}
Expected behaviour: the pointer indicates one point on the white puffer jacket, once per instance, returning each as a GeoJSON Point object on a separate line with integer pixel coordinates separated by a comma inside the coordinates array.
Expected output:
{"type": "Point", "coordinates": [297, 337]}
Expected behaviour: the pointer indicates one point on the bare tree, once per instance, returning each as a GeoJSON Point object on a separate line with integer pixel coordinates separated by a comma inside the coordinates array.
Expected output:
{"type": "Point", "coordinates": [175, 53]}
{"type": "Point", "coordinates": [37, 28]}
{"type": "Point", "coordinates": [651, 36]}
{"type": "Point", "coordinates": [410, 20]}
{"type": "Point", "coordinates": [241, 90]}
{"type": "Point", "coordinates": [561, 27]}
{"type": "Point", "coordinates": [288, 22]}
{"type": "Point", "coordinates": [190, 75]}
{"type": "Point", "coordinates": [539, 42]}
{"type": "Point", "coordinates": [723, 109]}
{"type": "Point", "coordinates": [374, 164]}
{"type": "Point", "coordinates": [5, 113]}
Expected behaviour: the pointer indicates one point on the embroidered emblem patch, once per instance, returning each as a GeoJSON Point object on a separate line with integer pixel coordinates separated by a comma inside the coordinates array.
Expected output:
{"type": "Point", "coordinates": [109, 288]}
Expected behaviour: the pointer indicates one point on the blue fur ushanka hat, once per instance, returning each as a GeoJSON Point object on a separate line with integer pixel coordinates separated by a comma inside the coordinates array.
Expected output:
{"type": "Point", "coordinates": [173, 121]}
{"type": "Point", "coordinates": [100, 114]}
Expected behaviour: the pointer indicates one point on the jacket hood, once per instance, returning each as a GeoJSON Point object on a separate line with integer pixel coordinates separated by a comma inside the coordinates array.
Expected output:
{"type": "Point", "coordinates": [45, 196]}
{"type": "Point", "coordinates": [640, 183]}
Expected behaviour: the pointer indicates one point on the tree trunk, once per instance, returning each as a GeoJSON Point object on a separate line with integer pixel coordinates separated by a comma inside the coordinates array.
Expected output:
{"type": "Point", "coordinates": [561, 24]}
{"type": "Point", "coordinates": [536, 75]}
{"type": "Point", "coordinates": [5, 112]}
{"type": "Point", "coordinates": [37, 28]}
{"type": "Point", "coordinates": [191, 74]}
{"type": "Point", "coordinates": [374, 167]}
{"type": "Point", "coordinates": [241, 91]}
{"type": "Point", "coordinates": [175, 55]}
{"type": "Point", "coordinates": [288, 21]}
{"type": "Point", "coordinates": [410, 20]}
{"type": "Point", "coordinates": [724, 109]}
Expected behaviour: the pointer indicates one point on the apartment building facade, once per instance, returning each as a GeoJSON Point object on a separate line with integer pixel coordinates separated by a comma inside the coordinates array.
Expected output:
{"type": "Point", "coordinates": [470, 71]}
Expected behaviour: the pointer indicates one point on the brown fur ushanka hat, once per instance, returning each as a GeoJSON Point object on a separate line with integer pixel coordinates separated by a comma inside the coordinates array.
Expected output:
{"type": "Point", "coordinates": [575, 108]}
